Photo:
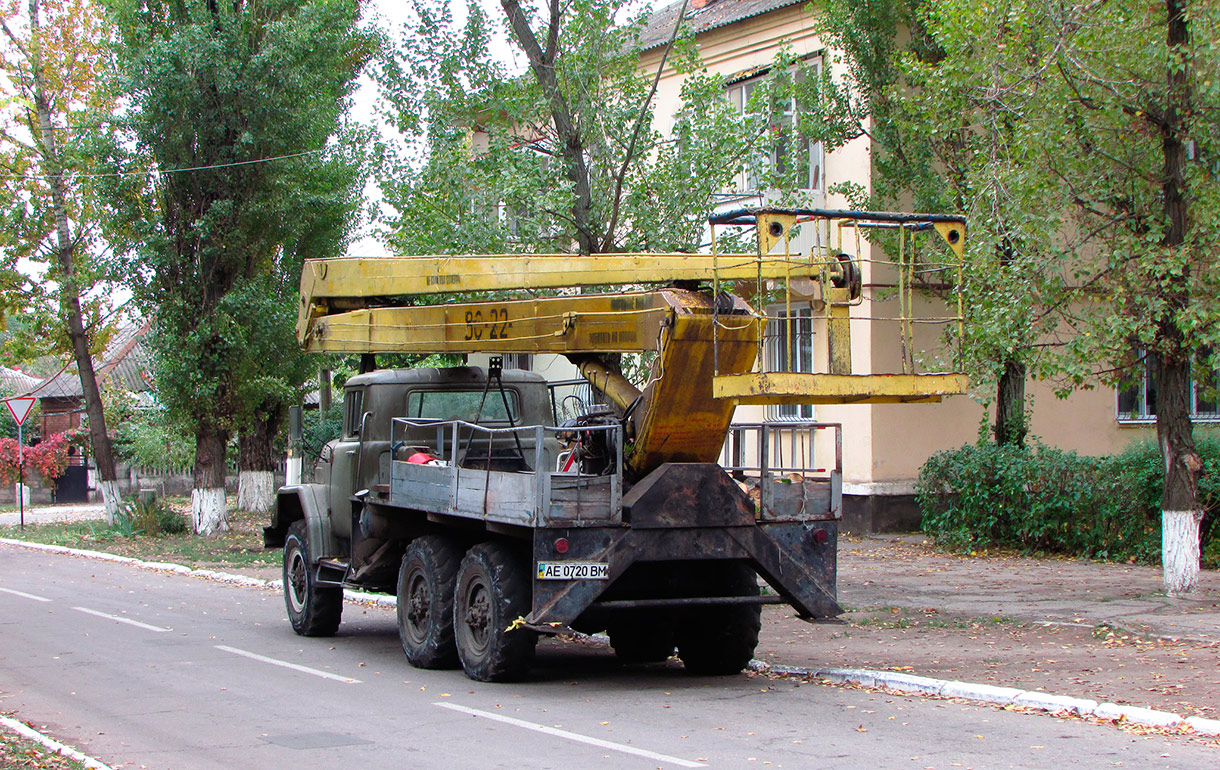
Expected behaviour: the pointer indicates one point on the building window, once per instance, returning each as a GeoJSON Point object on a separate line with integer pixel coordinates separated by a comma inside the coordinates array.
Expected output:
{"type": "Point", "coordinates": [789, 348]}
{"type": "Point", "coordinates": [1138, 401]}
{"type": "Point", "coordinates": [518, 361]}
{"type": "Point", "coordinates": [778, 152]}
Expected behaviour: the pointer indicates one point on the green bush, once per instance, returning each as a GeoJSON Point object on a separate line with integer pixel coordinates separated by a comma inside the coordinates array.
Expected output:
{"type": "Point", "coordinates": [153, 518]}
{"type": "Point", "coordinates": [1050, 500]}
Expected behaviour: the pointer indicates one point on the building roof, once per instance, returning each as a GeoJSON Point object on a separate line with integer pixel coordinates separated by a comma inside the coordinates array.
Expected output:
{"type": "Point", "coordinates": [125, 364]}
{"type": "Point", "coordinates": [716, 13]}
{"type": "Point", "coordinates": [15, 382]}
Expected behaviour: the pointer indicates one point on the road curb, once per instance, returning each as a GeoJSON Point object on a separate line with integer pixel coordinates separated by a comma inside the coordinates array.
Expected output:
{"type": "Point", "coordinates": [356, 597]}
{"type": "Point", "coordinates": [909, 684]}
{"type": "Point", "coordinates": [26, 731]}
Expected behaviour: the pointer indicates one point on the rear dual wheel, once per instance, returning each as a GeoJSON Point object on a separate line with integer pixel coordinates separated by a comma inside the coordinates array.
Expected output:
{"type": "Point", "coordinates": [718, 640]}
{"type": "Point", "coordinates": [642, 637]}
{"type": "Point", "coordinates": [425, 602]}
{"type": "Point", "coordinates": [492, 591]}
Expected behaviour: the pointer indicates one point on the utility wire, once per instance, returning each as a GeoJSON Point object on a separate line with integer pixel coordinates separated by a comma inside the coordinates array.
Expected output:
{"type": "Point", "coordinates": [165, 170]}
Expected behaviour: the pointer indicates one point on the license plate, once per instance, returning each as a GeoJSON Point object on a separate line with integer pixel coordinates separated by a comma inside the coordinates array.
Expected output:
{"type": "Point", "coordinates": [573, 570]}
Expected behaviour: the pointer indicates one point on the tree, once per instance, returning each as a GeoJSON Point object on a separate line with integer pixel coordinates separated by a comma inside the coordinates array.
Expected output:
{"type": "Point", "coordinates": [235, 106]}
{"type": "Point", "coordinates": [53, 65]}
{"type": "Point", "coordinates": [1135, 100]}
{"type": "Point", "coordinates": [566, 156]}
{"type": "Point", "coordinates": [947, 136]}
{"type": "Point", "coordinates": [1093, 127]}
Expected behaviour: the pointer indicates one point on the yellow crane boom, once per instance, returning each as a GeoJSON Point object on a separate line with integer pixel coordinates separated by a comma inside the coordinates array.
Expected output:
{"type": "Point", "coordinates": [708, 343]}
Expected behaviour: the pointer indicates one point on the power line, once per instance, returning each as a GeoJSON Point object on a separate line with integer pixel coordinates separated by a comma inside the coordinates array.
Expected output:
{"type": "Point", "coordinates": [166, 170]}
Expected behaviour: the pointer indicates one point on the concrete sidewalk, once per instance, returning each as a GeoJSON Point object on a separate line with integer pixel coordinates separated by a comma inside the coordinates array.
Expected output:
{"type": "Point", "coordinates": [50, 514]}
{"type": "Point", "coordinates": [905, 571]}
{"type": "Point", "coordinates": [1070, 627]}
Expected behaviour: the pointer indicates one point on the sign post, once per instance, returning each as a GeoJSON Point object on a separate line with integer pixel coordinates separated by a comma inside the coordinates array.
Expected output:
{"type": "Point", "coordinates": [20, 409]}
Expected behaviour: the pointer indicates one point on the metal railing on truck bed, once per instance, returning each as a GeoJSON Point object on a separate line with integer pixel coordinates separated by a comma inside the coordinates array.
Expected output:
{"type": "Point", "coordinates": [777, 462]}
{"type": "Point", "coordinates": [463, 479]}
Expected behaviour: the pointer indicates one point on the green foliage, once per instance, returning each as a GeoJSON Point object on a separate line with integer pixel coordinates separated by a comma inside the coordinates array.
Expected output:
{"type": "Point", "coordinates": [1048, 125]}
{"type": "Point", "coordinates": [137, 518]}
{"type": "Point", "coordinates": [67, 47]}
{"type": "Point", "coordinates": [321, 427]}
{"type": "Point", "coordinates": [510, 165]}
{"type": "Point", "coordinates": [1049, 500]}
{"type": "Point", "coordinates": [1210, 558]}
{"type": "Point", "coordinates": [148, 438]}
{"type": "Point", "coordinates": [152, 518]}
{"type": "Point", "coordinates": [124, 526]}
{"type": "Point", "coordinates": [250, 98]}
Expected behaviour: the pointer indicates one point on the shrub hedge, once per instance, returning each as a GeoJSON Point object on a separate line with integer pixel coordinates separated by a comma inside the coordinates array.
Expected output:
{"type": "Point", "coordinates": [1044, 499]}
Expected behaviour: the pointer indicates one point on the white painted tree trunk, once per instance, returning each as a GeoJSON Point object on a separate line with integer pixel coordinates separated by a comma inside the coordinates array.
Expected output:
{"type": "Point", "coordinates": [255, 491]}
{"type": "Point", "coordinates": [293, 470]}
{"type": "Point", "coordinates": [208, 510]}
{"type": "Point", "coordinates": [1180, 550]}
{"type": "Point", "coordinates": [110, 499]}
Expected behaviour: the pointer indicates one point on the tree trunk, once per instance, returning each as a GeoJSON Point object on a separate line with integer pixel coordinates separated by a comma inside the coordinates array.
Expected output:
{"type": "Point", "coordinates": [567, 132]}
{"type": "Point", "coordinates": [256, 461]}
{"type": "Point", "coordinates": [208, 497]}
{"type": "Point", "coordinates": [1181, 513]}
{"type": "Point", "coordinates": [324, 395]}
{"type": "Point", "coordinates": [69, 290]}
{"type": "Point", "coordinates": [1010, 424]}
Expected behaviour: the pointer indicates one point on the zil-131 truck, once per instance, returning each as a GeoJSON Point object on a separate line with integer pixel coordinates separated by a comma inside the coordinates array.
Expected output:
{"type": "Point", "coordinates": [498, 508]}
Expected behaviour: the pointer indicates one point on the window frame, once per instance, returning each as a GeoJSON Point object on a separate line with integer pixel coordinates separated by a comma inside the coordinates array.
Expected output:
{"type": "Point", "coordinates": [779, 356]}
{"type": "Point", "coordinates": [737, 93]}
{"type": "Point", "coordinates": [1139, 392]}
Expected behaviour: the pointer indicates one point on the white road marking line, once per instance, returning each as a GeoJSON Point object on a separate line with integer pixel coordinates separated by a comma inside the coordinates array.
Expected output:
{"type": "Point", "coordinates": [121, 619]}
{"type": "Point", "coordinates": [571, 736]}
{"type": "Point", "coordinates": [24, 594]}
{"type": "Point", "coordinates": [286, 664]}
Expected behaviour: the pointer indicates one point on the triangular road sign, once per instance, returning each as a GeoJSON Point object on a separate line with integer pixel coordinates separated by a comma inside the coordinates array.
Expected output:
{"type": "Point", "coordinates": [20, 407]}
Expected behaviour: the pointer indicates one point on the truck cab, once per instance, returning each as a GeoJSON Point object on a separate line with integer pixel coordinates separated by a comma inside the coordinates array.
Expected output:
{"type": "Point", "coordinates": [356, 465]}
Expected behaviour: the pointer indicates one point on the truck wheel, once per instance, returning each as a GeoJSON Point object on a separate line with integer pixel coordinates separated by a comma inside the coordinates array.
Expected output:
{"type": "Point", "coordinates": [642, 638]}
{"type": "Point", "coordinates": [425, 602]}
{"type": "Point", "coordinates": [493, 590]}
{"type": "Point", "coordinates": [720, 640]}
{"type": "Point", "coordinates": [313, 610]}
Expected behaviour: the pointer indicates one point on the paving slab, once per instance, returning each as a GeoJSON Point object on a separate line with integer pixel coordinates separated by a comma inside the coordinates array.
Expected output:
{"type": "Point", "coordinates": [1068, 627]}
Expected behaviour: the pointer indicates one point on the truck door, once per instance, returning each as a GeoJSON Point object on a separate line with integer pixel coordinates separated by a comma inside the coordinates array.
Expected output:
{"type": "Point", "coordinates": [343, 463]}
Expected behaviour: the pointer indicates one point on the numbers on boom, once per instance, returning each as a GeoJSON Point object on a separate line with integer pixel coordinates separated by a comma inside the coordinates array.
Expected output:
{"type": "Point", "coordinates": [494, 327]}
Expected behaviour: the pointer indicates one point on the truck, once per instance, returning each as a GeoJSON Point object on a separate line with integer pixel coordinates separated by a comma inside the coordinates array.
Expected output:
{"type": "Point", "coordinates": [497, 507]}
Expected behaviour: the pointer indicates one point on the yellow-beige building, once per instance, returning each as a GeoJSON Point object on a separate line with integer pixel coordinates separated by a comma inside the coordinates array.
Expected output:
{"type": "Point", "coordinates": [884, 445]}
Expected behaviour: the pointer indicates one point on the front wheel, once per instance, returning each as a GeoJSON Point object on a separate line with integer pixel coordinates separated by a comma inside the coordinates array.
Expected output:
{"type": "Point", "coordinates": [425, 602]}
{"type": "Point", "coordinates": [492, 591]}
{"type": "Point", "coordinates": [313, 610]}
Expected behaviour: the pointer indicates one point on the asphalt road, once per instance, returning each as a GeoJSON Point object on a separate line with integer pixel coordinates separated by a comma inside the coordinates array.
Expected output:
{"type": "Point", "coordinates": [145, 669]}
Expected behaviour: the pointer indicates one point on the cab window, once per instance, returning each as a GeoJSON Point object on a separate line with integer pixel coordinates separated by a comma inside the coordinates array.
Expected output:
{"type": "Point", "coordinates": [461, 405]}
{"type": "Point", "coordinates": [353, 406]}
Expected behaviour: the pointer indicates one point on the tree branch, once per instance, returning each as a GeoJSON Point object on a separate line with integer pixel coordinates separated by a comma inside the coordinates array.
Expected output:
{"type": "Point", "coordinates": [608, 235]}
